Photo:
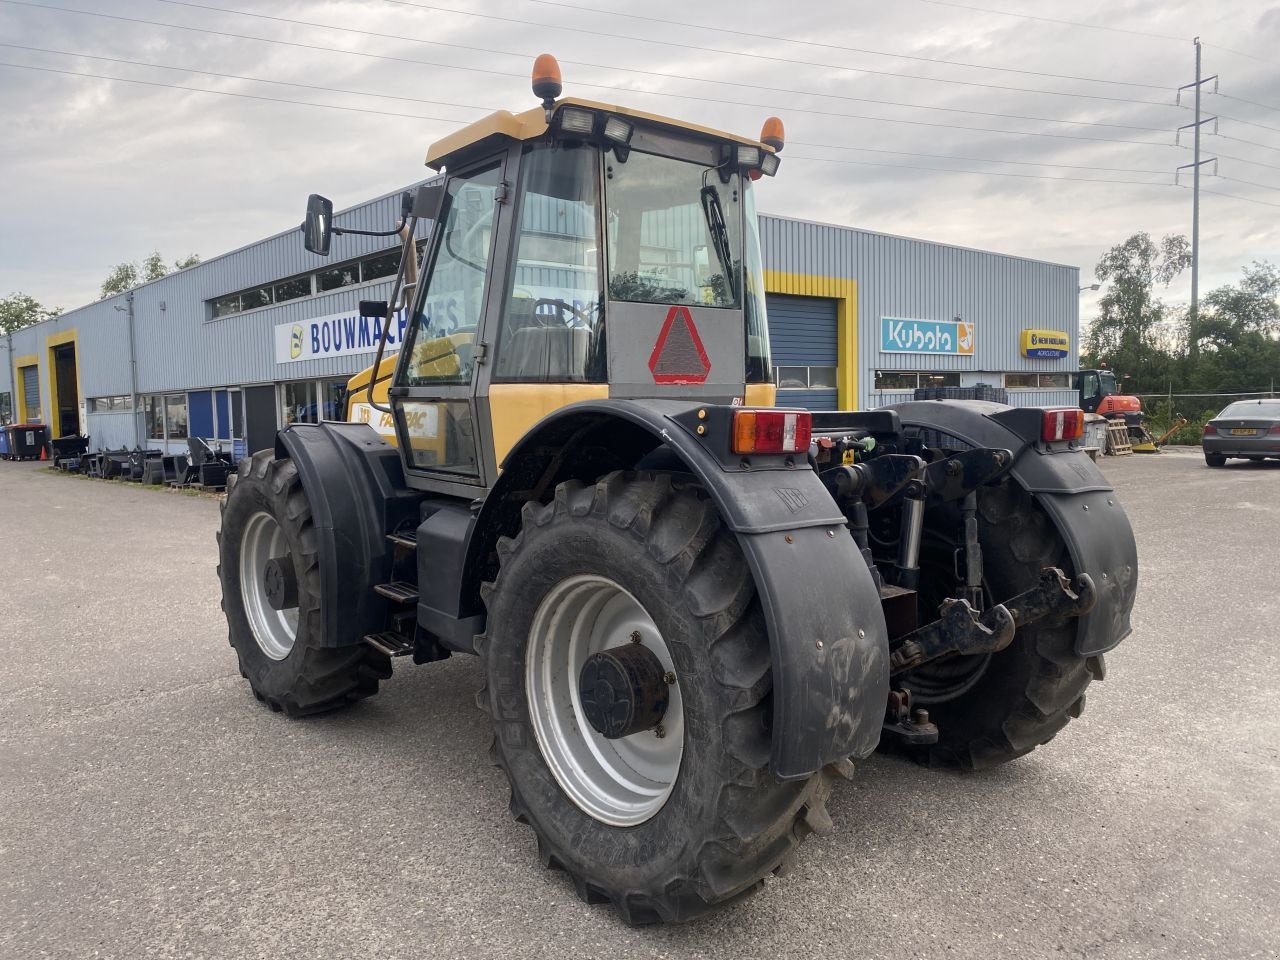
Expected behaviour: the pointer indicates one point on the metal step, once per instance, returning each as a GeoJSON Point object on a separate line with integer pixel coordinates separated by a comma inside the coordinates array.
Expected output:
{"type": "Point", "coordinates": [389, 643]}
{"type": "Point", "coordinates": [404, 538]}
{"type": "Point", "coordinates": [399, 591]}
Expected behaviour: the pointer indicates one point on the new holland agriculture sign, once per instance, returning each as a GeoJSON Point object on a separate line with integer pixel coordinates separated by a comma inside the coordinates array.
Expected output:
{"type": "Point", "coordinates": [337, 335]}
{"type": "Point", "coordinates": [950, 337]}
{"type": "Point", "coordinates": [1045, 344]}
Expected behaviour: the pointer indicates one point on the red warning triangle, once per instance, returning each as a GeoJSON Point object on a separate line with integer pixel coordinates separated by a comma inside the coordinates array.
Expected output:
{"type": "Point", "coordinates": [679, 356]}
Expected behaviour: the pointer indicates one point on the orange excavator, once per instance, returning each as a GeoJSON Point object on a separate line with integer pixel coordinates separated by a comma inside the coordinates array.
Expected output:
{"type": "Point", "coordinates": [1100, 394]}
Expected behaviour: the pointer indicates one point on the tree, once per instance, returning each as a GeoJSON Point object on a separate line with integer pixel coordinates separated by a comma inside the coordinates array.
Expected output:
{"type": "Point", "coordinates": [1133, 325]}
{"type": "Point", "coordinates": [1238, 334]}
{"type": "Point", "coordinates": [19, 310]}
{"type": "Point", "coordinates": [127, 275]}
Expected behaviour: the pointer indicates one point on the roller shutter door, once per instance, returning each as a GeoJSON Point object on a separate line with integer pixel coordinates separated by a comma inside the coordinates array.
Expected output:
{"type": "Point", "coordinates": [31, 393]}
{"type": "Point", "coordinates": [802, 340]}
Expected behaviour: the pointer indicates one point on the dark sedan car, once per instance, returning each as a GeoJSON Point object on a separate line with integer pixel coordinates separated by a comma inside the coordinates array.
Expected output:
{"type": "Point", "coordinates": [1247, 429]}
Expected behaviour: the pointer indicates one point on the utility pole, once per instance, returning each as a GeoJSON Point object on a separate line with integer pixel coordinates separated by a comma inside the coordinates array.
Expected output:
{"type": "Point", "coordinates": [133, 371]}
{"type": "Point", "coordinates": [1193, 326]}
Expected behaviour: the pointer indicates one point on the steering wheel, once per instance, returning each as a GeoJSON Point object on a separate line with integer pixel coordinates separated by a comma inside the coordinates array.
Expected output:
{"type": "Point", "coordinates": [566, 313]}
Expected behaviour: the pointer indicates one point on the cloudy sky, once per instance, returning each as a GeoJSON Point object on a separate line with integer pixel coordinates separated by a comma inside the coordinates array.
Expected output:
{"type": "Point", "coordinates": [873, 94]}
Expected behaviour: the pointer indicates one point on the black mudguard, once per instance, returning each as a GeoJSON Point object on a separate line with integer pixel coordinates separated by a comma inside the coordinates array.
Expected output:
{"type": "Point", "coordinates": [354, 482]}
{"type": "Point", "coordinates": [1072, 490]}
{"type": "Point", "coordinates": [827, 634]}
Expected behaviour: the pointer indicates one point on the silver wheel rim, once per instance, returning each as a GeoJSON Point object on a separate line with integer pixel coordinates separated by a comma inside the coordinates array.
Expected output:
{"type": "Point", "coordinates": [620, 782]}
{"type": "Point", "coordinates": [275, 630]}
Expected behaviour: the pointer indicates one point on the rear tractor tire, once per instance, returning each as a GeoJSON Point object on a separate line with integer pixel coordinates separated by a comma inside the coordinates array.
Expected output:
{"type": "Point", "coordinates": [270, 574]}
{"type": "Point", "coordinates": [994, 708]}
{"type": "Point", "coordinates": [636, 575]}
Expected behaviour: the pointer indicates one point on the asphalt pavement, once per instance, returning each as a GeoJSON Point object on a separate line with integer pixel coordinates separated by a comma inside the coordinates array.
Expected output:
{"type": "Point", "coordinates": [149, 807]}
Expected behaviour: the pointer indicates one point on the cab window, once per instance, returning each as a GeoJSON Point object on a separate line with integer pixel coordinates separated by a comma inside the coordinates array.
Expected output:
{"type": "Point", "coordinates": [553, 315]}
{"type": "Point", "coordinates": [443, 333]}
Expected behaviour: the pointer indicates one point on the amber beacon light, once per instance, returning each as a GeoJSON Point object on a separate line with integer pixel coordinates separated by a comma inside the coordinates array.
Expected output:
{"type": "Point", "coordinates": [546, 79]}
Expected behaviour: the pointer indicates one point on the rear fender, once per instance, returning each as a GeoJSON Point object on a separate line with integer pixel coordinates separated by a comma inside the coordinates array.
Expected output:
{"type": "Point", "coordinates": [827, 635]}
{"type": "Point", "coordinates": [1072, 490]}
{"type": "Point", "coordinates": [355, 485]}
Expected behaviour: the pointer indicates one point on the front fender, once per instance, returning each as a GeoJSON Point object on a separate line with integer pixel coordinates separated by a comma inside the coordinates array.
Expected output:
{"type": "Point", "coordinates": [1073, 491]}
{"type": "Point", "coordinates": [827, 636]}
{"type": "Point", "coordinates": [355, 486]}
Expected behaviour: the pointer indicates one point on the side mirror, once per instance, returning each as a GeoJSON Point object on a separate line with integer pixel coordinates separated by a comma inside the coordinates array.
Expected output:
{"type": "Point", "coordinates": [317, 229]}
{"type": "Point", "coordinates": [372, 309]}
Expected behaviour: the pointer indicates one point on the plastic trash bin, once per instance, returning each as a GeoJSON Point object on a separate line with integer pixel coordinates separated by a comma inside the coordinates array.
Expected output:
{"type": "Point", "coordinates": [26, 440]}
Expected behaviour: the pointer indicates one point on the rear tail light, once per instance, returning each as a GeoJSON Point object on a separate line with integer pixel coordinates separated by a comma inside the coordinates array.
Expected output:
{"type": "Point", "coordinates": [1210, 429]}
{"type": "Point", "coordinates": [1275, 429]}
{"type": "Point", "coordinates": [1063, 423]}
{"type": "Point", "coordinates": [771, 431]}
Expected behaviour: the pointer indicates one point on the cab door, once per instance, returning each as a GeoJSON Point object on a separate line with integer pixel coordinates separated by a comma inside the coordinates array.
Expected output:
{"type": "Point", "coordinates": [442, 366]}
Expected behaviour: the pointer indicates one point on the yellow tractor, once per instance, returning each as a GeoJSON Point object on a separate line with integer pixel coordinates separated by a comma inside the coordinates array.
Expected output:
{"type": "Point", "coordinates": [695, 610]}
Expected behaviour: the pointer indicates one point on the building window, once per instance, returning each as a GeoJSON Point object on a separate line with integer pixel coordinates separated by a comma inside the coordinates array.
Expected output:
{"type": "Point", "coordinates": [335, 277]}
{"type": "Point", "coordinates": [806, 378]}
{"type": "Point", "coordinates": [153, 414]}
{"type": "Point", "coordinates": [1041, 381]}
{"type": "Point", "coordinates": [375, 268]}
{"type": "Point", "coordinates": [333, 400]}
{"type": "Point", "coordinates": [165, 417]}
{"type": "Point", "coordinates": [293, 289]}
{"type": "Point", "coordinates": [6, 408]}
{"type": "Point", "coordinates": [300, 402]}
{"type": "Point", "coordinates": [111, 405]}
{"type": "Point", "coordinates": [911, 380]}
{"type": "Point", "coordinates": [379, 266]}
{"type": "Point", "coordinates": [175, 416]}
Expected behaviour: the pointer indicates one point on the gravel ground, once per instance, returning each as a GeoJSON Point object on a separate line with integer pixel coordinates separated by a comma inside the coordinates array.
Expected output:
{"type": "Point", "coordinates": [149, 807]}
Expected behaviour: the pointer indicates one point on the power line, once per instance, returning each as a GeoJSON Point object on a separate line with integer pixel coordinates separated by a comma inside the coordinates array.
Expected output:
{"type": "Point", "coordinates": [763, 36]}
{"type": "Point", "coordinates": [414, 116]}
{"type": "Point", "coordinates": [1251, 123]}
{"type": "Point", "coordinates": [977, 173]}
{"type": "Point", "coordinates": [1068, 23]}
{"type": "Point", "coordinates": [1252, 103]}
{"type": "Point", "coordinates": [1256, 163]}
{"type": "Point", "coordinates": [1240, 53]}
{"type": "Point", "coordinates": [476, 106]}
{"type": "Point", "coordinates": [239, 76]}
{"type": "Point", "coordinates": [680, 96]}
{"type": "Point", "coordinates": [1252, 143]}
{"type": "Point", "coordinates": [229, 93]}
{"type": "Point", "coordinates": [1248, 183]}
{"type": "Point", "coordinates": [652, 73]}
{"type": "Point", "coordinates": [1236, 196]}
{"type": "Point", "coordinates": [947, 156]}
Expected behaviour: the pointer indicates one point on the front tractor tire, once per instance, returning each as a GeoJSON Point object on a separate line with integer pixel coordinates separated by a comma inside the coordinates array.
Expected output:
{"type": "Point", "coordinates": [610, 593]}
{"type": "Point", "coordinates": [994, 708]}
{"type": "Point", "coordinates": [270, 574]}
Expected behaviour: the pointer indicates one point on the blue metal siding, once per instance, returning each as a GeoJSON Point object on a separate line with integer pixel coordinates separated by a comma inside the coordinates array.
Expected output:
{"type": "Point", "coordinates": [899, 277]}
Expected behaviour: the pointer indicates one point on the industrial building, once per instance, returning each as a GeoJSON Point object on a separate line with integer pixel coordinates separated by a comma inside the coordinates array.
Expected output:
{"type": "Point", "coordinates": [243, 343]}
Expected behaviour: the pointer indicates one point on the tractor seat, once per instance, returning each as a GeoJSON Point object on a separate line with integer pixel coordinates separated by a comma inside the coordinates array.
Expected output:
{"type": "Point", "coordinates": [551, 354]}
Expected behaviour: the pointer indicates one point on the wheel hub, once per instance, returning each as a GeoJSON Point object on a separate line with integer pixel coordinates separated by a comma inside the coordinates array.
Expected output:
{"type": "Point", "coordinates": [599, 677]}
{"type": "Point", "coordinates": [623, 691]}
{"type": "Point", "coordinates": [280, 583]}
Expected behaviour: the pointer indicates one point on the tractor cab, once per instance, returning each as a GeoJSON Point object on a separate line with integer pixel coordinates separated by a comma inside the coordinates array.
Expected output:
{"type": "Point", "coordinates": [579, 251]}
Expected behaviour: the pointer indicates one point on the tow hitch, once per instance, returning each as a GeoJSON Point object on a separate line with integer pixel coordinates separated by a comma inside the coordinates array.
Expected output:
{"type": "Point", "coordinates": [960, 630]}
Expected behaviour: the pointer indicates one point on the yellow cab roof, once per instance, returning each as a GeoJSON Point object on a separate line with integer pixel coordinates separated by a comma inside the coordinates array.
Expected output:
{"type": "Point", "coordinates": [533, 123]}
